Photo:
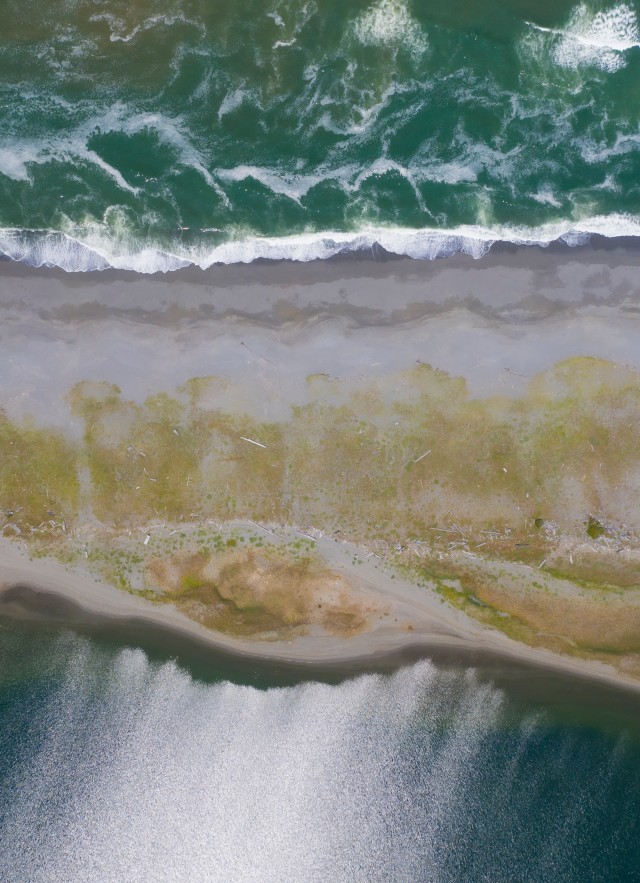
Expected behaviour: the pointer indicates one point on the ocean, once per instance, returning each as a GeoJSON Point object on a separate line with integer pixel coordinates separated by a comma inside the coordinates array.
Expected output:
{"type": "Point", "coordinates": [115, 765]}
{"type": "Point", "coordinates": [162, 133]}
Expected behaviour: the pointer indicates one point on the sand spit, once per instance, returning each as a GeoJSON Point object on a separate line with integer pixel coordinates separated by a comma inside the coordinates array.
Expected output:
{"type": "Point", "coordinates": [412, 619]}
{"type": "Point", "coordinates": [467, 431]}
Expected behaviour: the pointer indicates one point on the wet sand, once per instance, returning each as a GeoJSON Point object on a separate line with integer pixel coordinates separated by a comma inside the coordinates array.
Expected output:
{"type": "Point", "coordinates": [495, 321]}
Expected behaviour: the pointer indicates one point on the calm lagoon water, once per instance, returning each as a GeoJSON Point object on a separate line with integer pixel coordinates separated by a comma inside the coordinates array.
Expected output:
{"type": "Point", "coordinates": [118, 765]}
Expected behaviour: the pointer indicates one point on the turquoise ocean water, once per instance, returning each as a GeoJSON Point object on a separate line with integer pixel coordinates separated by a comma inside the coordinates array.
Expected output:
{"type": "Point", "coordinates": [159, 133]}
{"type": "Point", "coordinates": [114, 767]}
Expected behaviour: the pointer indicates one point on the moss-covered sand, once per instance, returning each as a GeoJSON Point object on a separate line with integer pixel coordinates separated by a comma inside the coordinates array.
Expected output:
{"type": "Point", "coordinates": [266, 592]}
{"type": "Point", "coordinates": [522, 511]}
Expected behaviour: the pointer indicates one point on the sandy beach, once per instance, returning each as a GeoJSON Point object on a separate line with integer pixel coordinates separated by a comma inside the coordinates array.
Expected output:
{"type": "Point", "coordinates": [277, 323]}
{"type": "Point", "coordinates": [33, 591]}
{"type": "Point", "coordinates": [280, 338]}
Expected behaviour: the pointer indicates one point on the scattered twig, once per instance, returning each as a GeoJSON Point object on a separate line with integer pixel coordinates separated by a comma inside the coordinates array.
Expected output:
{"type": "Point", "coordinates": [266, 529]}
{"type": "Point", "coordinates": [303, 534]}
{"type": "Point", "coordinates": [251, 441]}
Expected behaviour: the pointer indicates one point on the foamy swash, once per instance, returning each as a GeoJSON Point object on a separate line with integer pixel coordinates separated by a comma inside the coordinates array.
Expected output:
{"type": "Point", "coordinates": [152, 139]}
{"type": "Point", "coordinates": [61, 250]}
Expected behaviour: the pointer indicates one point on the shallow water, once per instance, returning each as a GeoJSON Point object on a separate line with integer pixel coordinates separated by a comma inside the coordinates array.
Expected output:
{"type": "Point", "coordinates": [167, 132]}
{"type": "Point", "coordinates": [116, 767]}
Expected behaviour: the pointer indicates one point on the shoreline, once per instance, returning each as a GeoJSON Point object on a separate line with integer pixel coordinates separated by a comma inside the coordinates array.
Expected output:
{"type": "Point", "coordinates": [43, 593]}
{"type": "Point", "coordinates": [47, 248]}
{"type": "Point", "coordinates": [374, 261]}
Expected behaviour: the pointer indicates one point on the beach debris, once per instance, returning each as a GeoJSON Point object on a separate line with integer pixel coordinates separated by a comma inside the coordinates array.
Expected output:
{"type": "Point", "coordinates": [146, 539]}
{"type": "Point", "coordinates": [266, 529]}
{"type": "Point", "coordinates": [252, 442]}
{"type": "Point", "coordinates": [422, 456]}
{"type": "Point", "coordinates": [303, 534]}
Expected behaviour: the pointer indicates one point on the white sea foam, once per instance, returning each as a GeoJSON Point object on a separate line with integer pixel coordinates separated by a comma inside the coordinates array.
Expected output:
{"type": "Point", "coordinates": [364, 109]}
{"type": "Point", "coordinates": [231, 101]}
{"type": "Point", "coordinates": [14, 159]}
{"type": "Point", "coordinates": [594, 152]}
{"type": "Point", "coordinates": [17, 155]}
{"type": "Point", "coordinates": [277, 18]}
{"type": "Point", "coordinates": [295, 185]}
{"type": "Point", "coordinates": [119, 33]}
{"type": "Point", "coordinates": [389, 23]}
{"type": "Point", "coordinates": [291, 19]}
{"type": "Point", "coordinates": [291, 185]}
{"type": "Point", "coordinates": [96, 249]}
{"type": "Point", "coordinates": [448, 172]}
{"type": "Point", "coordinates": [599, 39]}
{"type": "Point", "coordinates": [472, 158]}
{"type": "Point", "coordinates": [545, 196]}
{"type": "Point", "coordinates": [381, 167]}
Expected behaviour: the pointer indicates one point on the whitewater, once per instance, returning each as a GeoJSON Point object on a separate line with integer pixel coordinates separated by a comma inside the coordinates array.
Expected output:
{"type": "Point", "coordinates": [154, 138]}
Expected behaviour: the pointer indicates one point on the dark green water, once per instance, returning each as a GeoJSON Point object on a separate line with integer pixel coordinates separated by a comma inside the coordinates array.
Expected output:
{"type": "Point", "coordinates": [159, 133]}
{"type": "Point", "coordinates": [114, 767]}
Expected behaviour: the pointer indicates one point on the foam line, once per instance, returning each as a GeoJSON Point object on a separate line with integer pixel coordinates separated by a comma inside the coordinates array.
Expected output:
{"type": "Point", "coordinates": [40, 248]}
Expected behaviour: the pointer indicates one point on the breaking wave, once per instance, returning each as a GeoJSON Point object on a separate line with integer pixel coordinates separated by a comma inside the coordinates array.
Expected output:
{"type": "Point", "coordinates": [172, 135]}
{"type": "Point", "coordinates": [97, 251]}
{"type": "Point", "coordinates": [596, 38]}
{"type": "Point", "coordinates": [389, 23]}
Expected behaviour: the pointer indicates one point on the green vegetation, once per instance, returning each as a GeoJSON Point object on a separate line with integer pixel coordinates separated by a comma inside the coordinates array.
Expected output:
{"type": "Point", "coordinates": [406, 466]}
{"type": "Point", "coordinates": [39, 488]}
{"type": "Point", "coordinates": [594, 529]}
{"type": "Point", "coordinates": [385, 459]}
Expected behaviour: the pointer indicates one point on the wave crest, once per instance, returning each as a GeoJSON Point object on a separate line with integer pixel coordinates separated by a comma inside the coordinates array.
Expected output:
{"type": "Point", "coordinates": [598, 39]}
{"type": "Point", "coordinates": [97, 251]}
{"type": "Point", "coordinates": [389, 23]}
